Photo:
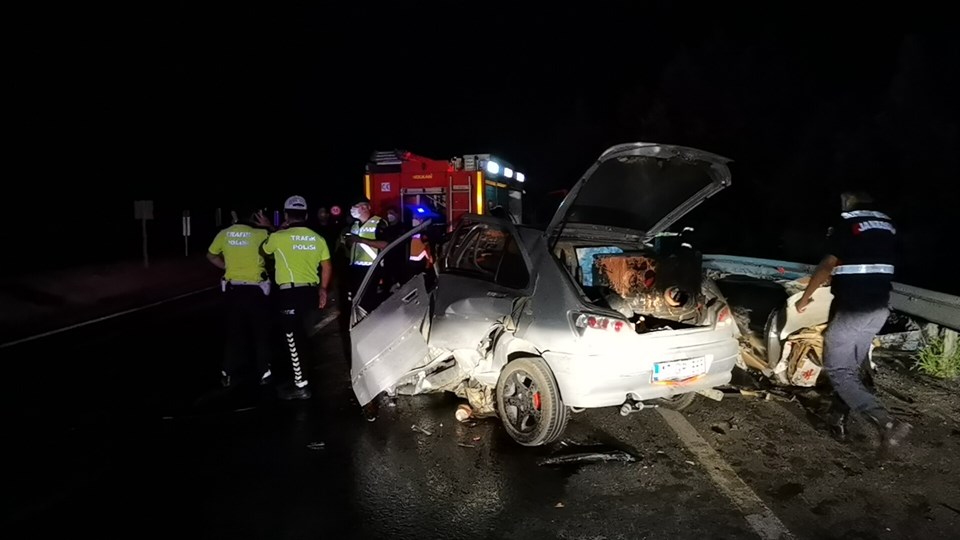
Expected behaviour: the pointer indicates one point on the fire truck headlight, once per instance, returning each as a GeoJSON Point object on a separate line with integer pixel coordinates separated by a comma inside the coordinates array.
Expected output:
{"type": "Point", "coordinates": [493, 167]}
{"type": "Point", "coordinates": [508, 172]}
{"type": "Point", "coordinates": [520, 177]}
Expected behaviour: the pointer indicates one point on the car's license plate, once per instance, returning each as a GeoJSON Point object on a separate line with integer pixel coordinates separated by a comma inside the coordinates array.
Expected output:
{"type": "Point", "coordinates": [679, 370]}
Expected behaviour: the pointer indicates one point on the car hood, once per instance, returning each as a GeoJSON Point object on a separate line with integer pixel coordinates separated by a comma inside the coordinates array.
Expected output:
{"type": "Point", "coordinates": [643, 187]}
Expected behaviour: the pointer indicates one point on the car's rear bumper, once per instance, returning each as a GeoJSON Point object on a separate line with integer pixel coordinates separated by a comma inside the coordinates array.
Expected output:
{"type": "Point", "coordinates": [608, 379]}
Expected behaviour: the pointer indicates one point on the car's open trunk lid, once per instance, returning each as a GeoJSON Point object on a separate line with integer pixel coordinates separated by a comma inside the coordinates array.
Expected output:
{"type": "Point", "coordinates": [643, 187]}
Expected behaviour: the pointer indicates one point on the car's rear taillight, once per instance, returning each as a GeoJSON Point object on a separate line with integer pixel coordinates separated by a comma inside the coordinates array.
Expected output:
{"type": "Point", "coordinates": [599, 322]}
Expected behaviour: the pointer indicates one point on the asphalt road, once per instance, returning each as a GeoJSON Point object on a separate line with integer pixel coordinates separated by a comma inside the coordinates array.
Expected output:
{"type": "Point", "coordinates": [119, 430]}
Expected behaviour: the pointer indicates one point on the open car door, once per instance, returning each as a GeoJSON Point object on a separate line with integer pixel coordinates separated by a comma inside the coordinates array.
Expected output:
{"type": "Point", "coordinates": [387, 343]}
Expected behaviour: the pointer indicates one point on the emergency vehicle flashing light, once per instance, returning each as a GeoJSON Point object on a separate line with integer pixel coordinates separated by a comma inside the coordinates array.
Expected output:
{"type": "Point", "coordinates": [493, 168]}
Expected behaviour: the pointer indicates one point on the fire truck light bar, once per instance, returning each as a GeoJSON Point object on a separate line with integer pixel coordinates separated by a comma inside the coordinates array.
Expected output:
{"type": "Point", "coordinates": [390, 157]}
{"type": "Point", "coordinates": [494, 168]}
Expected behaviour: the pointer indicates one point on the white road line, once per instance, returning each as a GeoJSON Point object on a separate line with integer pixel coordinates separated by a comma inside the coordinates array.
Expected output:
{"type": "Point", "coordinates": [105, 318]}
{"type": "Point", "coordinates": [325, 321]}
{"type": "Point", "coordinates": [760, 518]}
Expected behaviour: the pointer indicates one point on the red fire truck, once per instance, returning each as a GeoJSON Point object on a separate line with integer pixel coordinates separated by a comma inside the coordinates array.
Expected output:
{"type": "Point", "coordinates": [442, 190]}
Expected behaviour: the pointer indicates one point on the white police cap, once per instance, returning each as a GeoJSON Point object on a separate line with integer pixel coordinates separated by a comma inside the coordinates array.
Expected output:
{"type": "Point", "coordinates": [295, 203]}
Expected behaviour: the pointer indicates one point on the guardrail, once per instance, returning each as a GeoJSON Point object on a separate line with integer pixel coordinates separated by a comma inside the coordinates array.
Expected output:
{"type": "Point", "coordinates": [936, 307]}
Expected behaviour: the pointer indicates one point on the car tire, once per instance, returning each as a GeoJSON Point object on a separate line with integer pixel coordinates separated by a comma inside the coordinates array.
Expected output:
{"type": "Point", "coordinates": [680, 402]}
{"type": "Point", "coordinates": [529, 403]}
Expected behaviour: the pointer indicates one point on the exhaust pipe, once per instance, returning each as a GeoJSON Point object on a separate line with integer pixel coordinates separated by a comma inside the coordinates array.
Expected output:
{"type": "Point", "coordinates": [631, 406]}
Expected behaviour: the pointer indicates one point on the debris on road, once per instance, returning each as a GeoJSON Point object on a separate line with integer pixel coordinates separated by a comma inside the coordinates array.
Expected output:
{"type": "Point", "coordinates": [480, 398]}
{"type": "Point", "coordinates": [558, 505]}
{"type": "Point", "coordinates": [419, 429]}
{"type": "Point", "coordinates": [317, 446]}
{"type": "Point", "coordinates": [464, 445]}
{"type": "Point", "coordinates": [711, 393]}
{"type": "Point", "coordinates": [767, 395]}
{"type": "Point", "coordinates": [464, 412]}
{"type": "Point", "coordinates": [588, 457]}
{"type": "Point", "coordinates": [475, 439]}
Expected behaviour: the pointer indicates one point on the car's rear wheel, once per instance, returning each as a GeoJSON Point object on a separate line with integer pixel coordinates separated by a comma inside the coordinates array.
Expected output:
{"type": "Point", "coordinates": [529, 404]}
{"type": "Point", "coordinates": [681, 402]}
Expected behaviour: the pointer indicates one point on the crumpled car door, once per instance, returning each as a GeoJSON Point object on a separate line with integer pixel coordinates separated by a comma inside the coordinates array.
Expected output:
{"type": "Point", "coordinates": [471, 298]}
{"type": "Point", "coordinates": [387, 343]}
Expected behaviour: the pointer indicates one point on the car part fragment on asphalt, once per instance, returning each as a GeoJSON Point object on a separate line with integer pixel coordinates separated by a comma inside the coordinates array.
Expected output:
{"type": "Point", "coordinates": [588, 457]}
{"type": "Point", "coordinates": [417, 429]}
{"type": "Point", "coordinates": [711, 393]}
{"type": "Point", "coordinates": [464, 412]}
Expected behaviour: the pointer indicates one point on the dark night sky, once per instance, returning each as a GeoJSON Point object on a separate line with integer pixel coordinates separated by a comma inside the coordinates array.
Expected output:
{"type": "Point", "coordinates": [184, 104]}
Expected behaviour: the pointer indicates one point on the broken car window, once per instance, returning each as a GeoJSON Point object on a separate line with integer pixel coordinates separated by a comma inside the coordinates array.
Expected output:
{"type": "Point", "coordinates": [490, 253]}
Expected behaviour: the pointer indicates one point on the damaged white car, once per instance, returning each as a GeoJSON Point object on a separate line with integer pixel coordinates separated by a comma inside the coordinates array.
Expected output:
{"type": "Point", "coordinates": [787, 346]}
{"type": "Point", "coordinates": [602, 308]}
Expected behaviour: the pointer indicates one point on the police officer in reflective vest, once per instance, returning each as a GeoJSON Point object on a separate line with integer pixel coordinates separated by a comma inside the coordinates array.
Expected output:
{"type": "Point", "coordinates": [365, 240]}
{"type": "Point", "coordinates": [245, 286]}
{"type": "Point", "coordinates": [860, 260]}
{"type": "Point", "coordinates": [298, 252]}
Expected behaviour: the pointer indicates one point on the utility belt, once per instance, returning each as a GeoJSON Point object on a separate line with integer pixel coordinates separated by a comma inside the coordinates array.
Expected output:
{"type": "Point", "coordinates": [285, 286]}
{"type": "Point", "coordinates": [229, 283]}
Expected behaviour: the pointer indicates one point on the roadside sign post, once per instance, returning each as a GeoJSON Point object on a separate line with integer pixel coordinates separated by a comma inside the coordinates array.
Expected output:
{"type": "Point", "coordinates": [186, 233]}
{"type": "Point", "coordinates": [143, 210]}
{"type": "Point", "coordinates": [218, 218]}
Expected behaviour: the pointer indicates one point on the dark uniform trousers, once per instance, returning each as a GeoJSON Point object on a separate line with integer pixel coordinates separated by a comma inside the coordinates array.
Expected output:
{"type": "Point", "coordinates": [296, 304]}
{"type": "Point", "coordinates": [248, 330]}
{"type": "Point", "coordinates": [846, 350]}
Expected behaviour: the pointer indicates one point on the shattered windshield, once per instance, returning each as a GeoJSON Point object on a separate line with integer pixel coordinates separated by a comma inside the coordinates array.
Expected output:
{"type": "Point", "coordinates": [636, 192]}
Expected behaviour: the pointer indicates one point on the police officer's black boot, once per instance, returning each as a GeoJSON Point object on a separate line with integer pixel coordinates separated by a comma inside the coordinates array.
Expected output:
{"type": "Point", "coordinates": [293, 391]}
